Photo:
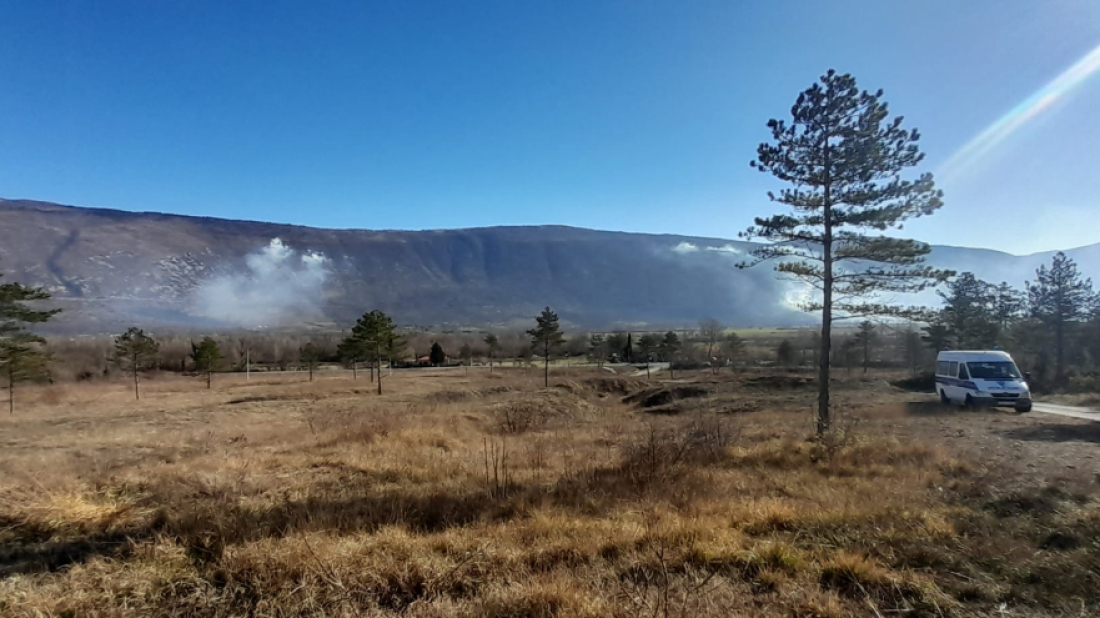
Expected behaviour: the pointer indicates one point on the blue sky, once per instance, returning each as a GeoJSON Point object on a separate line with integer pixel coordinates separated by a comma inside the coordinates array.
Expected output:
{"type": "Point", "coordinates": [636, 116]}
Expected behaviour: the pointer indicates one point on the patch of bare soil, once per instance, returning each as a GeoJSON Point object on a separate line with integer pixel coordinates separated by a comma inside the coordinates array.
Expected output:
{"type": "Point", "coordinates": [613, 385]}
{"type": "Point", "coordinates": [655, 397]}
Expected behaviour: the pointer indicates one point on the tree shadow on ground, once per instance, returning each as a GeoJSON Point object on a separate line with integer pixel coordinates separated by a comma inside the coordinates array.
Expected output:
{"type": "Point", "coordinates": [930, 407]}
{"type": "Point", "coordinates": [1056, 432]}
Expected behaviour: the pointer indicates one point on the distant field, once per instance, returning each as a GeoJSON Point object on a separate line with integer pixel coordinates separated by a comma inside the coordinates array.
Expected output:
{"type": "Point", "coordinates": [487, 495]}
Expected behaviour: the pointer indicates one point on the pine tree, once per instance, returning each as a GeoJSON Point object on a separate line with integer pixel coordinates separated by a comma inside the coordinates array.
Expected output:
{"type": "Point", "coordinates": [21, 355]}
{"type": "Point", "coordinates": [936, 335]}
{"type": "Point", "coordinates": [374, 336]}
{"type": "Point", "coordinates": [1008, 305]}
{"type": "Point", "coordinates": [437, 356]}
{"type": "Point", "coordinates": [648, 344]}
{"type": "Point", "coordinates": [865, 339]}
{"type": "Point", "coordinates": [493, 345]}
{"type": "Point", "coordinates": [597, 349]}
{"type": "Point", "coordinates": [207, 357]}
{"type": "Point", "coordinates": [670, 346]}
{"type": "Point", "coordinates": [135, 352]}
{"type": "Point", "coordinates": [1058, 298]}
{"type": "Point", "coordinates": [968, 312]}
{"type": "Point", "coordinates": [310, 354]}
{"type": "Point", "coordinates": [351, 352]}
{"type": "Point", "coordinates": [546, 335]}
{"type": "Point", "coordinates": [844, 161]}
{"type": "Point", "coordinates": [784, 353]}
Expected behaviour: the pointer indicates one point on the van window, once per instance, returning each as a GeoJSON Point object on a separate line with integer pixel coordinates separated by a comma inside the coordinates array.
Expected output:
{"type": "Point", "coordinates": [963, 375]}
{"type": "Point", "coordinates": [954, 370]}
{"type": "Point", "coordinates": [995, 370]}
{"type": "Point", "coordinates": [941, 367]}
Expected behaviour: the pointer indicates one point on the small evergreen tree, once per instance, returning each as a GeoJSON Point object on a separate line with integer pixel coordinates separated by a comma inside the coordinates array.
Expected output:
{"type": "Point", "coordinates": [437, 356]}
{"type": "Point", "coordinates": [648, 344]}
{"type": "Point", "coordinates": [1008, 305]}
{"type": "Point", "coordinates": [310, 355]}
{"type": "Point", "coordinates": [597, 349]}
{"type": "Point", "coordinates": [784, 353]}
{"type": "Point", "coordinates": [492, 344]}
{"type": "Point", "coordinates": [22, 357]}
{"type": "Point", "coordinates": [351, 352]}
{"type": "Point", "coordinates": [936, 335]}
{"type": "Point", "coordinates": [466, 353]}
{"type": "Point", "coordinates": [864, 339]}
{"type": "Point", "coordinates": [670, 346]}
{"type": "Point", "coordinates": [206, 357]}
{"type": "Point", "coordinates": [1059, 298]}
{"type": "Point", "coordinates": [968, 312]}
{"type": "Point", "coordinates": [546, 335]}
{"type": "Point", "coordinates": [135, 352]}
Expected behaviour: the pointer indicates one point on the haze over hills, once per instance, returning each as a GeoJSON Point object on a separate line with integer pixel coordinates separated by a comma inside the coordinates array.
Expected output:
{"type": "Point", "coordinates": [111, 268]}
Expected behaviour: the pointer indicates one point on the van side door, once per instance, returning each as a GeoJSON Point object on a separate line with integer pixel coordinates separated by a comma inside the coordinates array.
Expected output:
{"type": "Point", "coordinates": [954, 392]}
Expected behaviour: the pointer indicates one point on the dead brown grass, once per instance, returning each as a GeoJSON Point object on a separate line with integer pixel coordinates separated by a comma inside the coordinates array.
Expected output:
{"type": "Point", "coordinates": [488, 496]}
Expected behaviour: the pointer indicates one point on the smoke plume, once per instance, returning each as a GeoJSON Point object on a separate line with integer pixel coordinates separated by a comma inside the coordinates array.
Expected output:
{"type": "Point", "coordinates": [278, 285]}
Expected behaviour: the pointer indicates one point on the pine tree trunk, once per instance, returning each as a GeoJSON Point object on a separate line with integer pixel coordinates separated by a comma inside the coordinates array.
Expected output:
{"type": "Point", "coordinates": [311, 373]}
{"type": "Point", "coordinates": [378, 353]}
{"type": "Point", "coordinates": [546, 365]}
{"type": "Point", "coordinates": [826, 310]}
{"type": "Point", "coordinates": [208, 377]}
{"type": "Point", "coordinates": [11, 387]}
{"type": "Point", "coordinates": [1059, 332]}
{"type": "Point", "coordinates": [137, 394]}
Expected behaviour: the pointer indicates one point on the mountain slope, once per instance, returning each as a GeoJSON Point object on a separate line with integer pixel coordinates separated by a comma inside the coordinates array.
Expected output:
{"type": "Point", "coordinates": [112, 268]}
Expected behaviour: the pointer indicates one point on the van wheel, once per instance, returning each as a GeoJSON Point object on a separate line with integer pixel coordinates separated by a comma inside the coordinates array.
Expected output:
{"type": "Point", "coordinates": [969, 403]}
{"type": "Point", "coordinates": [1023, 409]}
{"type": "Point", "coordinates": [943, 398]}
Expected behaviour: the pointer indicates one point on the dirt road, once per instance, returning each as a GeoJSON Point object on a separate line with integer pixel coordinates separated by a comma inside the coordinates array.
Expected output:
{"type": "Point", "coordinates": [1088, 414]}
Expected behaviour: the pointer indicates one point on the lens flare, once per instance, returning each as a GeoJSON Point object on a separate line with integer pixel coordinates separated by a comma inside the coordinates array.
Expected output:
{"type": "Point", "coordinates": [976, 149]}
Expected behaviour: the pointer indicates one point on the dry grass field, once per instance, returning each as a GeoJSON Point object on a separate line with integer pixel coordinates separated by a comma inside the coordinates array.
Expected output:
{"type": "Point", "coordinates": [488, 495]}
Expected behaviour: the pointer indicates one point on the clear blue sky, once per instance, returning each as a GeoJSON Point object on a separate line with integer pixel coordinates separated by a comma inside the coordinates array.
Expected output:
{"type": "Point", "coordinates": [637, 116]}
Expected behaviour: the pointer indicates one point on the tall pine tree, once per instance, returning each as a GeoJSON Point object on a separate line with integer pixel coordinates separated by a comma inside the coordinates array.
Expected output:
{"type": "Point", "coordinates": [843, 159]}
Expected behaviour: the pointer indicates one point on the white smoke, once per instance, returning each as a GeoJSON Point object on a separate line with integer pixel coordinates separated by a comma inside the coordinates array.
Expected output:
{"type": "Point", "coordinates": [278, 285]}
{"type": "Point", "coordinates": [727, 248]}
{"type": "Point", "coordinates": [685, 247]}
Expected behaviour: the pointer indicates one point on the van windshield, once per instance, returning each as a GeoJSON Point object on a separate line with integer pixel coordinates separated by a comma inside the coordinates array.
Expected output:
{"type": "Point", "coordinates": [994, 370]}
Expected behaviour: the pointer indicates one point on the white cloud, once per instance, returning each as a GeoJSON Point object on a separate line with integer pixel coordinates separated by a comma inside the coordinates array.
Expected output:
{"type": "Point", "coordinates": [685, 247]}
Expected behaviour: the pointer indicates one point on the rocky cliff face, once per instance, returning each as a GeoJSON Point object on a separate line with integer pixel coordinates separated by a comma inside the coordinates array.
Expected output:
{"type": "Point", "coordinates": [112, 268]}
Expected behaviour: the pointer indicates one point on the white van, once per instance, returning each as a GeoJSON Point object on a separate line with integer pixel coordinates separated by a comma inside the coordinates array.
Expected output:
{"type": "Point", "coordinates": [978, 378]}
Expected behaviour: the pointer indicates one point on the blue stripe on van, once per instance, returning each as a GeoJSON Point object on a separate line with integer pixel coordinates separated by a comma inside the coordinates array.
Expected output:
{"type": "Point", "coordinates": [949, 381]}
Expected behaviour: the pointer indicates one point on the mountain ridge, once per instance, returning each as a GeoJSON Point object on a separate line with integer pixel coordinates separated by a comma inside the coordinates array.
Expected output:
{"type": "Point", "coordinates": [113, 267]}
